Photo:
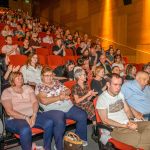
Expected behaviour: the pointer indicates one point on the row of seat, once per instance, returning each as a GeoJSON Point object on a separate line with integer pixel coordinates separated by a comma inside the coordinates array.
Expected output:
{"type": "Point", "coordinates": [52, 60]}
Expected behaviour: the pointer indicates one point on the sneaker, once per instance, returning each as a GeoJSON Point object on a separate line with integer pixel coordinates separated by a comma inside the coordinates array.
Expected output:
{"type": "Point", "coordinates": [55, 147]}
{"type": "Point", "coordinates": [84, 143]}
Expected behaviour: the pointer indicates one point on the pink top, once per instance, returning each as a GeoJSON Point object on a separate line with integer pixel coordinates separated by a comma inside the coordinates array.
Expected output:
{"type": "Point", "coordinates": [20, 102]}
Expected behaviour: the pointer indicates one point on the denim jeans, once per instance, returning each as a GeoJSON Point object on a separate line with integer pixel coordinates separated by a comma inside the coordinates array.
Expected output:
{"type": "Point", "coordinates": [59, 120]}
{"type": "Point", "coordinates": [21, 127]}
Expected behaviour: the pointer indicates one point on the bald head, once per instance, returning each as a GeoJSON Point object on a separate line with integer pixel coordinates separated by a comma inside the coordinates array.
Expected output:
{"type": "Point", "coordinates": [142, 78]}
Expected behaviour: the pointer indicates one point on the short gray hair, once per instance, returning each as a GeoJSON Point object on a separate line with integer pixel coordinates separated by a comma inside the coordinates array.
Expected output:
{"type": "Point", "coordinates": [78, 72]}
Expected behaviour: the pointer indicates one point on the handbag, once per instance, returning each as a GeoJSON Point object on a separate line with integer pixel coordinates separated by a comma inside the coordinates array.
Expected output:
{"type": "Point", "coordinates": [72, 142]}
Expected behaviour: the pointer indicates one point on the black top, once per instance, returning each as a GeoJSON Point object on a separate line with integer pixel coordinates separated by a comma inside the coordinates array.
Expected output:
{"type": "Point", "coordinates": [78, 51]}
{"type": "Point", "coordinates": [57, 48]}
{"type": "Point", "coordinates": [128, 77]}
{"type": "Point", "coordinates": [61, 71]}
{"type": "Point", "coordinates": [98, 85]}
{"type": "Point", "coordinates": [24, 51]}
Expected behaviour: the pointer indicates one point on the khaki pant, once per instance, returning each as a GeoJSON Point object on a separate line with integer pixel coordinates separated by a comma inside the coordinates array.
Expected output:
{"type": "Point", "coordinates": [139, 139]}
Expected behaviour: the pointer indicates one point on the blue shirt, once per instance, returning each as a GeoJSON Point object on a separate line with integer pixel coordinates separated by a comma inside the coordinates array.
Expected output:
{"type": "Point", "coordinates": [137, 97]}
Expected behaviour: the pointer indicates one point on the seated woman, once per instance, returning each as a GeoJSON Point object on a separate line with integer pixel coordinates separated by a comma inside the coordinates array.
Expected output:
{"type": "Point", "coordinates": [65, 72]}
{"type": "Point", "coordinates": [25, 49]}
{"type": "Point", "coordinates": [98, 84]}
{"type": "Point", "coordinates": [83, 95]}
{"type": "Point", "coordinates": [32, 70]}
{"type": "Point", "coordinates": [21, 106]}
{"type": "Point", "coordinates": [7, 31]}
{"type": "Point", "coordinates": [130, 72]}
{"type": "Point", "coordinates": [34, 41]}
{"type": "Point", "coordinates": [5, 70]}
{"type": "Point", "coordinates": [118, 62]}
{"type": "Point", "coordinates": [54, 98]}
{"type": "Point", "coordinates": [59, 48]}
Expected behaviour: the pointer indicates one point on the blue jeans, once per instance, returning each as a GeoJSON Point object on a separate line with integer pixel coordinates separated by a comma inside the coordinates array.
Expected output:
{"type": "Point", "coordinates": [59, 119]}
{"type": "Point", "coordinates": [21, 127]}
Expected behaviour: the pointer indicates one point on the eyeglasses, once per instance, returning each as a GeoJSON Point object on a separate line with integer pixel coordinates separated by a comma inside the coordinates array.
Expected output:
{"type": "Point", "coordinates": [48, 76]}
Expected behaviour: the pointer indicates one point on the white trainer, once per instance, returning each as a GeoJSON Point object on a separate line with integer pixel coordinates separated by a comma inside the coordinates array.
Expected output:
{"type": "Point", "coordinates": [84, 143]}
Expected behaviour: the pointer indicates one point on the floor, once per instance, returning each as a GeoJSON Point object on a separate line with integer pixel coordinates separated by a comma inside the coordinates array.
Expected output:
{"type": "Point", "coordinates": [91, 144]}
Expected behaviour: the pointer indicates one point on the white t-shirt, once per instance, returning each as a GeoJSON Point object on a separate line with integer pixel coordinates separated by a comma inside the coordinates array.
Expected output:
{"type": "Point", "coordinates": [114, 105]}
{"type": "Point", "coordinates": [8, 48]}
{"type": "Point", "coordinates": [31, 74]}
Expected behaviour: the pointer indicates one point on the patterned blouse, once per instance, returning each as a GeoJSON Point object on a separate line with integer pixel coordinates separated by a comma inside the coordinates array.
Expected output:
{"type": "Point", "coordinates": [63, 105]}
{"type": "Point", "coordinates": [86, 104]}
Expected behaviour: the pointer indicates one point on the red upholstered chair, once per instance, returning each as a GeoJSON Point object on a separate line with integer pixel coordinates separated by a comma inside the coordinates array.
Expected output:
{"type": "Point", "coordinates": [42, 34]}
{"type": "Point", "coordinates": [125, 59]}
{"type": "Point", "coordinates": [42, 60]}
{"type": "Point", "coordinates": [54, 61]}
{"type": "Point", "coordinates": [46, 45]}
{"type": "Point", "coordinates": [16, 60]}
{"type": "Point", "coordinates": [69, 52]}
{"type": "Point", "coordinates": [66, 58]}
{"type": "Point", "coordinates": [43, 51]}
{"type": "Point", "coordinates": [69, 84]}
{"type": "Point", "coordinates": [118, 145]}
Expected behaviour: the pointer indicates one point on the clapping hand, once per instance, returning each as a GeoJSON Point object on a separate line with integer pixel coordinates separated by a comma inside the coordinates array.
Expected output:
{"type": "Point", "coordinates": [15, 68]}
{"type": "Point", "coordinates": [132, 125]}
{"type": "Point", "coordinates": [63, 96]}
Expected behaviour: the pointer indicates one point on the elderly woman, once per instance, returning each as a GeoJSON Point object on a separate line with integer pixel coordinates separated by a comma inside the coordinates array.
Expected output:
{"type": "Point", "coordinates": [83, 95]}
{"type": "Point", "coordinates": [21, 105]}
{"type": "Point", "coordinates": [54, 99]}
{"type": "Point", "coordinates": [32, 70]}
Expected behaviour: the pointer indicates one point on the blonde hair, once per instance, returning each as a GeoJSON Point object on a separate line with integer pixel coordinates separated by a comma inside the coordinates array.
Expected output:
{"type": "Point", "coordinates": [12, 77]}
{"type": "Point", "coordinates": [98, 69]}
{"type": "Point", "coordinates": [46, 69]}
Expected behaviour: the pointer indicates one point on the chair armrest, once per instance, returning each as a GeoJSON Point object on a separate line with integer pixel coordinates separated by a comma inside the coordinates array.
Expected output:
{"type": "Point", "coordinates": [104, 126]}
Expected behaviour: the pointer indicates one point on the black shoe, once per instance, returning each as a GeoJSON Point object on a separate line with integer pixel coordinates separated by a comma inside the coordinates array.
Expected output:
{"type": "Point", "coordinates": [94, 135]}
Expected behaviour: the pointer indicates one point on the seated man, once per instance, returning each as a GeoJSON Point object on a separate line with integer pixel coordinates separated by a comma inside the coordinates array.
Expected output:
{"type": "Point", "coordinates": [9, 48]}
{"type": "Point", "coordinates": [115, 112]}
{"type": "Point", "coordinates": [103, 62]}
{"type": "Point", "coordinates": [137, 95]}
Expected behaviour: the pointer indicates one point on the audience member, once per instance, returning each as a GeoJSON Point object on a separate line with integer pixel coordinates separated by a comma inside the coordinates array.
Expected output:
{"type": "Point", "coordinates": [65, 72]}
{"type": "Point", "coordinates": [118, 62]}
{"type": "Point", "coordinates": [98, 84]}
{"type": "Point", "coordinates": [59, 48]}
{"type": "Point", "coordinates": [130, 72]}
{"type": "Point", "coordinates": [103, 62]}
{"type": "Point", "coordinates": [137, 95]}
{"type": "Point", "coordinates": [25, 49]}
{"type": "Point", "coordinates": [21, 106]}
{"type": "Point", "coordinates": [32, 70]}
{"type": "Point", "coordinates": [7, 31]}
{"type": "Point", "coordinates": [115, 112]}
{"type": "Point", "coordinates": [54, 99]}
{"type": "Point", "coordinates": [9, 48]}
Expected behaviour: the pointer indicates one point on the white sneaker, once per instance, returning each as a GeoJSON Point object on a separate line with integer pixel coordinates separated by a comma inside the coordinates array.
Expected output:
{"type": "Point", "coordinates": [55, 147]}
{"type": "Point", "coordinates": [84, 143]}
